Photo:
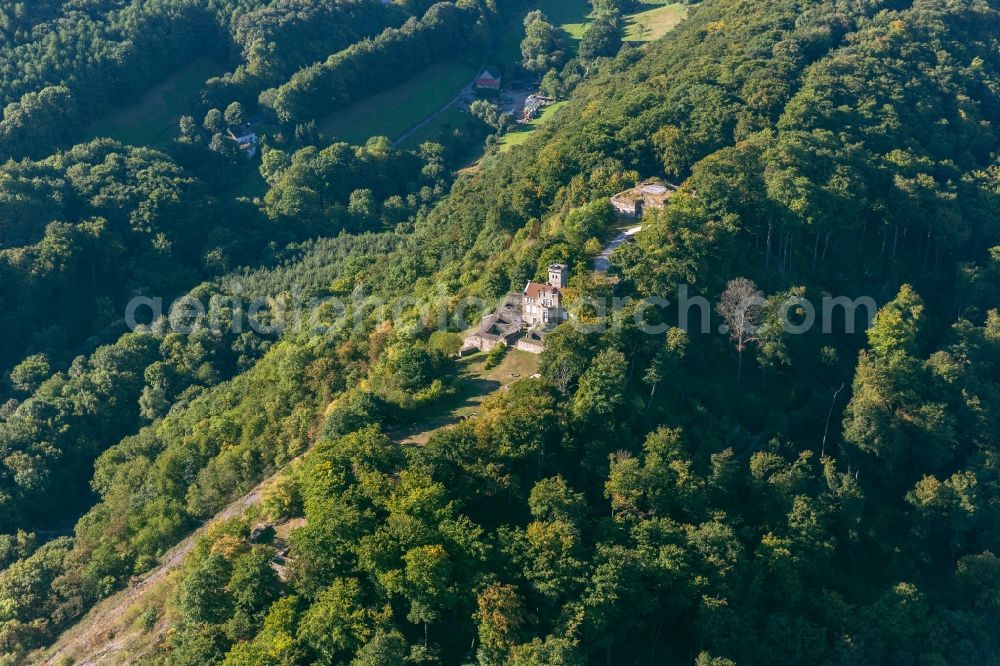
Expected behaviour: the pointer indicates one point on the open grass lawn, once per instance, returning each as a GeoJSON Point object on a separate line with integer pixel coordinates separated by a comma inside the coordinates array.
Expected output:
{"type": "Point", "coordinates": [152, 121]}
{"type": "Point", "coordinates": [474, 384]}
{"type": "Point", "coordinates": [518, 136]}
{"type": "Point", "coordinates": [393, 112]}
{"type": "Point", "coordinates": [450, 119]}
{"type": "Point", "coordinates": [570, 15]}
{"type": "Point", "coordinates": [652, 20]}
{"type": "Point", "coordinates": [645, 26]}
{"type": "Point", "coordinates": [252, 186]}
{"type": "Point", "coordinates": [453, 117]}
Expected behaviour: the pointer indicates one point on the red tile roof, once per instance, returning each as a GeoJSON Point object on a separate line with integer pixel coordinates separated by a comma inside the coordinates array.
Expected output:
{"type": "Point", "coordinates": [536, 289]}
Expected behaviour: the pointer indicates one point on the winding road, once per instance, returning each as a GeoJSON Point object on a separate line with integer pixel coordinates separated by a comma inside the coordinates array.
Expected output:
{"type": "Point", "coordinates": [469, 87]}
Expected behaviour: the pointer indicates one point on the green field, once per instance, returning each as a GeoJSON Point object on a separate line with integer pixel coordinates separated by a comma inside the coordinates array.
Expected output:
{"type": "Point", "coordinates": [653, 23]}
{"type": "Point", "coordinates": [570, 15]}
{"type": "Point", "coordinates": [393, 112]}
{"type": "Point", "coordinates": [520, 135]}
{"type": "Point", "coordinates": [152, 121]}
{"type": "Point", "coordinates": [475, 383]}
{"type": "Point", "coordinates": [654, 19]}
{"type": "Point", "coordinates": [429, 132]}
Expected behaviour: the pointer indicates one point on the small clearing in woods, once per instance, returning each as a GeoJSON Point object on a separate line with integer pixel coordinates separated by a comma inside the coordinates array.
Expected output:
{"type": "Point", "coordinates": [521, 133]}
{"type": "Point", "coordinates": [153, 120]}
{"type": "Point", "coordinates": [654, 23]}
{"type": "Point", "coordinates": [570, 15]}
{"type": "Point", "coordinates": [474, 384]}
{"type": "Point", "coordinates": [396, 110]}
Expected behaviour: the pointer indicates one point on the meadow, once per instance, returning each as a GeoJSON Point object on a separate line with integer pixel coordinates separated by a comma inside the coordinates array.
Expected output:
{"type": "Point", "coordinates": [651, 24]}
{"type": "Point", "coordinates": [395, 111]}
{"type": "Point", "coordinates": [152, 121]}
{"type": "Point", "coordinates": [521, 133]}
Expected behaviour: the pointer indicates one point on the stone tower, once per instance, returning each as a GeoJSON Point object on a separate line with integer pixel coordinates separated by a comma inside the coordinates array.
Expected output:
{"type": "Point", "coordinates": [558, 274]}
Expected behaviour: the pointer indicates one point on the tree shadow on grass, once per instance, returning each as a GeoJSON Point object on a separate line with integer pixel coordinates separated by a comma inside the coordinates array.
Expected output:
{"type": "Point", "coordinates": [470, 392]}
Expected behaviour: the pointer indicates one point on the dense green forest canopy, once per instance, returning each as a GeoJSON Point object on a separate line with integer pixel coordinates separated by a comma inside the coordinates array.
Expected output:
{"type": "Point", "coordinates": [63, 65]}
{"type": "Point", "coordinates": [673, 498]}
{"type": "Point", "coordinates": [446, 30]}
{"type": "Point", "coordinates": [149, 238]}
{"type": "Point", "coordinates": [64, 71]}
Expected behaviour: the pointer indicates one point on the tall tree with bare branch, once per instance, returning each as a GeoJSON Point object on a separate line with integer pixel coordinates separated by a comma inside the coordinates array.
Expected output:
{"type": "Point", "coordinates": [741, 305]}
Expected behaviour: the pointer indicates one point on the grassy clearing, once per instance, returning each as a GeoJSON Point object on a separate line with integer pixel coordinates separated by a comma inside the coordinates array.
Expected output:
{"type": "Point", "coordinates": [652, 20]}
{"type": "Point", "coordinates": [253, 186]}
{"type": "Point", "coordinates": [393, 112]}
{"type": "Point", "coordinates": [518, 136]}
{"type": "Point", "coordinates": [152, 121]}
{"type": "Point", "coordinates": [652, 24]}
{"type": "Point", "coordinates": [429, 132]}
{"type": "Point", "coordinates": [570, 15]}
{"type": "Point", "coordinates": [112, 622]}
{"type": "Point", "coordinates": [475, 383]}
{"type": "Point", "coordinates": [450, 119]}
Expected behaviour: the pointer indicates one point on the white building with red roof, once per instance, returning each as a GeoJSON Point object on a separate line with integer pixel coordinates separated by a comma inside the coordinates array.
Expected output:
{"type": "Point", "coordinates": [523, 319]}
{"type": "Point", "coordinates": [542, 304]}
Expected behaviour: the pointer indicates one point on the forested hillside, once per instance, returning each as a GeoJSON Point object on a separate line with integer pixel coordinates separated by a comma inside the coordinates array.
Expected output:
{"type": "Point", "coordinates": [446, 30]}
{"type": "Point", "coordinates": [679, 497]}
{"type": "Point", "coordinates": [86, 229]}
{"type": "Point", "coordinates": [59, 73]}
{"type": "Point", "coordinates": [63, 65]}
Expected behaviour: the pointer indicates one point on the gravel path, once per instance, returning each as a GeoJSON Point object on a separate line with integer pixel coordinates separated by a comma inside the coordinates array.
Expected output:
{"type": "Point", "coordinates": [90, 640]}
{"type": "Point", "coordinates": [603, 261]}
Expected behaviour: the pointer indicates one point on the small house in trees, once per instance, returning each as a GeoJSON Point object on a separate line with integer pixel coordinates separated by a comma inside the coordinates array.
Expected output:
{"type": "Point", "coordinates": [245, 138]}
{"type": "Point", "coordinates": [649, 194]}
{"type": "Point", "coordinates": [523, 318]}
{"type": "Point", "coordinates": [489, 79]}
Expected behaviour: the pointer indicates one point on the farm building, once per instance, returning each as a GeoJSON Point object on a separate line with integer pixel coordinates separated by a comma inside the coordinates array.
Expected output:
{"type": "Point", "coordinates": [649, 194]}
{"type": "Point", "coordinates": [489, 79]}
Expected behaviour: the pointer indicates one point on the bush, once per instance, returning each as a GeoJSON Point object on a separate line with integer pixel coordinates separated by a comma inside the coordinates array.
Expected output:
{"type": "Point", "coordinates": [282, 498]}
{"type": "Point", "coordinates": [495, 355]}
{"type": "Point", "coordinates": [147, 619]}
{"type": "Point", "coordinates": [445, 343]}
{"type": "Point", "coordinates": [351, 412]}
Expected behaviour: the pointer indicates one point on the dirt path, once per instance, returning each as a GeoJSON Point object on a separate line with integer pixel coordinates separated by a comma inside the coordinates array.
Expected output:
{"type": "Point", "coordinates": [603, 261]}
{"type": "Point", "coordinates": [92, 639]}
{"type": "Point", "coordinates": [104, 636]}
{"type": "Point", "coordinates": [431, 118]}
